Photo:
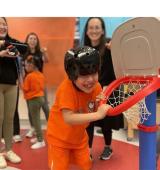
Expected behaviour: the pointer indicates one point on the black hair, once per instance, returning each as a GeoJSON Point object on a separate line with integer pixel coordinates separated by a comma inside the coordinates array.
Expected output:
{"type": "Point", "coordinates": [81, 61]}
{"type": "Point", "coordinates": [34, 60]}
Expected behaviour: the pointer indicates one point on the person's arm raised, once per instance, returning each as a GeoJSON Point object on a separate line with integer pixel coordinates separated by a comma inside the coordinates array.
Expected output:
{"type": "Point", "coordinates": [45, 55]}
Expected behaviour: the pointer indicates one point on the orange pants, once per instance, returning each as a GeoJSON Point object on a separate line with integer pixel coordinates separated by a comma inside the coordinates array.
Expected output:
{"type": "Point", "coordinates": [62, 158]}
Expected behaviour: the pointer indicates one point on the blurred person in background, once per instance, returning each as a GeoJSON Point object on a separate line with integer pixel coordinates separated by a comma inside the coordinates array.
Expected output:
{"type": "Point", "coordinates": [35, 49]}
{"type": "Point", "coordinates": [9, 55]}
{"type": "Point", "coordinates": [95, 36]}
{"type": "Point", "coordinates": [33, 89]}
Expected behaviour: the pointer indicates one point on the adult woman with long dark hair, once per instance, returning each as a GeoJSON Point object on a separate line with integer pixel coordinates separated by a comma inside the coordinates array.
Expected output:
{"type": "Point", "coordinates": [8, 91]}
{"type": "Point", "coordinates": [95, 36]}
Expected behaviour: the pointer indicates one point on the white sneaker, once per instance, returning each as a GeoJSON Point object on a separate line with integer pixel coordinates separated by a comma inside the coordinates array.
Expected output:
{"type": "Point", "coordinates": [33, 140]}
{"type": "Point", "coordinates": [17, 138]}
{"type": "Point", "coordinates": [30, 133]}
{"type": "Point", "coordinates": [38, 145]}
{"type": "Point", "coordinates": [2, 140]}
{"type": "Point", "coordinates": [3, 163]}
{"type": "Point", "coordinates": [13, 157]}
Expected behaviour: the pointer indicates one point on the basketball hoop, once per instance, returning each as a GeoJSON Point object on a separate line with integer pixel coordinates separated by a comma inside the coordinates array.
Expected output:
{"type": "Point", "coordinates": [126, 95]}
{"type": "Point", "coordinates": [135, 52]}
{"type": "Point", "coordinates": [137, 114]}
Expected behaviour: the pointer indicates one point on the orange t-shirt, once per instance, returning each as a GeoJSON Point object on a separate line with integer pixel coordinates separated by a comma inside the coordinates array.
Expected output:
{"type": "Point", "coordinates": [61, 134]}
{"type": "Point", "coordinates": [33, 85]}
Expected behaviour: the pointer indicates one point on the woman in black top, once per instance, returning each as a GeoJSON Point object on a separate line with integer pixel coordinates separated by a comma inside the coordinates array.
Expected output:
{"type": "Point", "coordinates": [8, 90]}
{"type": "Point", "coordinates": [95, 36]}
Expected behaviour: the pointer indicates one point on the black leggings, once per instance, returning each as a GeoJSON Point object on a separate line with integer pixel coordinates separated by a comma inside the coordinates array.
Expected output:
{"type": "Point", "coordinates": [107, 133]}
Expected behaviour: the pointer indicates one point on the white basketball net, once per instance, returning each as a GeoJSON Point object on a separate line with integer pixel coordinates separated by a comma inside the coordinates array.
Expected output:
{"type": "Point", "coordinates": [137, 113]}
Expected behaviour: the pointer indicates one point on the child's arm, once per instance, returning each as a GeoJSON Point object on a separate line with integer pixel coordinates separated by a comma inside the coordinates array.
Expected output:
{"type": "Point", "coordinates": [79, 118]}
{"type": "Point", "coordinates": [20, 84]}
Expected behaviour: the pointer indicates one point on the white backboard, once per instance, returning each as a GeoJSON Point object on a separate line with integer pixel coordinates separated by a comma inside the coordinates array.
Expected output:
{"type": "Point", "coordinates": [135, 47]}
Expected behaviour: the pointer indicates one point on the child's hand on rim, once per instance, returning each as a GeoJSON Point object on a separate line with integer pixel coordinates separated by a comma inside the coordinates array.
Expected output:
{"type": "Point", "coordinates": [100, 97]}
{"type": "Point", "coordinates": [102, 110]}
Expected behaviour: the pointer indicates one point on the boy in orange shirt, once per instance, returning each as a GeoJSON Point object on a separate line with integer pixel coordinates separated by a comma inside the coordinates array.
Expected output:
{"type": "Point", "coordinates": [33, 88]}
{"type": "Point", "coordinates": [73, 109]}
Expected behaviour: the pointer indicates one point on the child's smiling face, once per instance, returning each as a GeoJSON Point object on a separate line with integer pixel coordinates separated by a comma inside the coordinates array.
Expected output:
{"type": "Point", "coordinates": [86, 83]}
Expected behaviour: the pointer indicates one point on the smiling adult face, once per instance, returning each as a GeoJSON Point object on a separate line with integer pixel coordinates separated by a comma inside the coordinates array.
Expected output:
{"type": "Point", "coordinates": [32, 41]}
{"type": "Point", "coordinates": [94, 30]}
{"type": "Point", "coordinates": [3, 28]}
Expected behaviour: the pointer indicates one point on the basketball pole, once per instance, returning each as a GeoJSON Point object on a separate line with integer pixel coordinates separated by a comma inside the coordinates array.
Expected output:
{"type": "Point", "coordinates": [147, 140]}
